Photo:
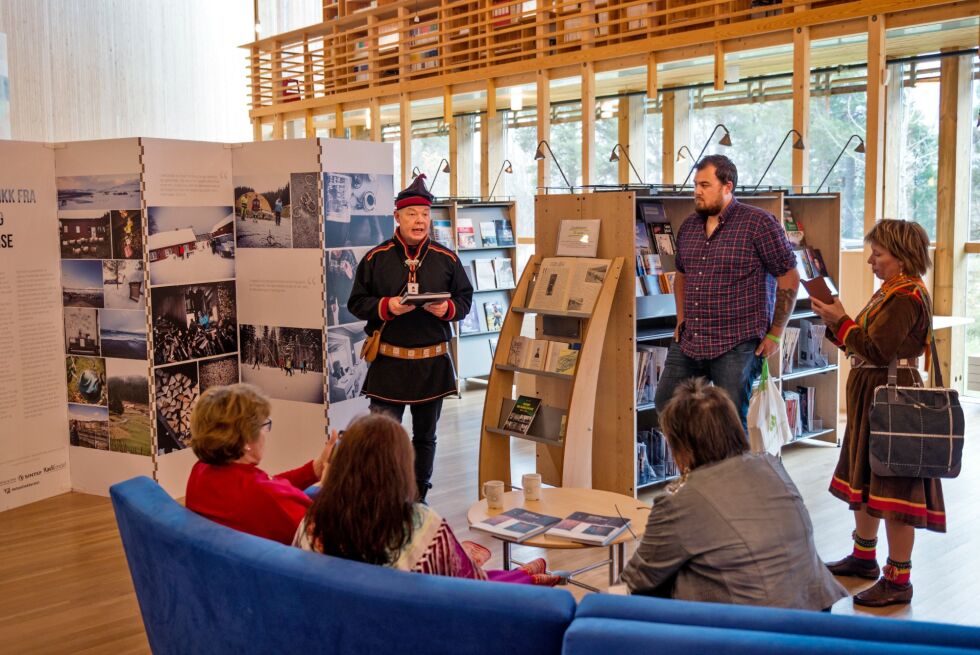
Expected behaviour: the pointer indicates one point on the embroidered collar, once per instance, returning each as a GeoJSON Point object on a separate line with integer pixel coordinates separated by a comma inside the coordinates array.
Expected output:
{"type": "Point", "coordinates": [413, 254]}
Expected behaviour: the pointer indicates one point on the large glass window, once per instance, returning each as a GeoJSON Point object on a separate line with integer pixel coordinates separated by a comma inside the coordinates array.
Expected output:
{"type": "Point", "coordinates": [430, 145]}
{"type": "Point", "coordinates": [606, 138]}
{"type": "Point", "coordinates": [278, 16]}
{"type": "Point", "coordinates": [972, 291]}
{"type": "Point", "coordinates": [566, 143]}
{"type": "Point", "coordinates": [520, 141]}
{"type": "Point", "coordinates": [654, 129]}
{"type": "Point", "coordinates": [920, 146]}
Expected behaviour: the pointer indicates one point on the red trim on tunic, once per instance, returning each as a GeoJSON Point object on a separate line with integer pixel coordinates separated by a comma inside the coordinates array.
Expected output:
{"type": "Point", "coordinates": [383, 311]}
{"type": "Point", "coordinates": [441, 250]}
{"type": "Point", "coordinates": [450, 312]}
{"type": "Point", "coordinates": [383, 247]}
{"type": "Point", "coordinates": [845, 327]}
{"type": "Point", "coordinates": [882, 504]}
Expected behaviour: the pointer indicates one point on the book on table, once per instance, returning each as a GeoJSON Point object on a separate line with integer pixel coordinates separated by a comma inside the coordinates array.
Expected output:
{"type": "Point", "coordinates": [592, 529]}
{"type": "Point", "coordinates": [516, 524]}
{"type": "Point", "coordinates": [522, 415]}
{"type": "Point", "coordinates": [423, 298]}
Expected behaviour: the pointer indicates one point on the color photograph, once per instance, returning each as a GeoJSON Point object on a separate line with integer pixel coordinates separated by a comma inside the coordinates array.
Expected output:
{"type": "Point", "coordinates": [176, 391]}
{"type": "Point", "coordinates": [263, 211]}
{"type": "Point", "coordinates": [305, 209]}
{"type": "Point", "coordinates": [127, 234]}
{"type": "Point", "coordinates": [99, 192]}
{"type": "Point", "coordinates": [86, 380]}
{"type": "Point", "coordinates": [85, 237]}
{"type": "Point", "coordinates": [123, 333]}
{"type": "Point", "coordinates": [347, 369]}
{"type": "Point", "coordinates": [122, 284]}
{"type": "Point", "coordinates": [81, 283]}
{"type": "Point", "coordinates": [192, 321]}
{"type": "Point", "coordinates": [82, 331]}
{"type": "Point", "coordinates": [129, 407]}
{"type": "Point", "coordinates": [285, 362]}
{"type": "Point", "coordinates": [88, 426]}
{"type": "Point", "coordinates": [341, 267]}
{"type": "Point", "coordinates": [190, 244]}
{"type": "Point", "coordinates": [217, 372]}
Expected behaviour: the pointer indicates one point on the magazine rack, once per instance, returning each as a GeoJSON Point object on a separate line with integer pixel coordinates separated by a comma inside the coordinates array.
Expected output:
{"type": "Point", "coordinates": [567, 401]}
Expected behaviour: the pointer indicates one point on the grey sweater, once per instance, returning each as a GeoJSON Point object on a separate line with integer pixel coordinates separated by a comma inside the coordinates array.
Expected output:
{"type": "Point", "coordinates": [736, 532]}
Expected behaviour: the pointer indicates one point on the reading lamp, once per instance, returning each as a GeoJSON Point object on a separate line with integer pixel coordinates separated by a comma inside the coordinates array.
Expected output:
{"type": "Point", "coordinates": [797, 145]}
{"type": "Point", "coordinates": [858, 148]}
{"type": "Point", "coordinates": [539, 155]}
{"type": "Point", "coordinates": [506, 167]}
{"type": "Point", "coordinates": [725, 140]}
{"type": "Point", "coordinates": [415, 172]}
{"type": "Point", "coordinates": [613, 156]}
{"type": "Point", "coordinates": [440, 169]}
{"type": "Point", "coordinates": [680, 153]}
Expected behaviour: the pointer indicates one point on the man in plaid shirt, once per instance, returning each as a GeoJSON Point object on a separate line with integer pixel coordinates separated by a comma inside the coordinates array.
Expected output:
{"type": "Point", "coordinates": [735, 288]}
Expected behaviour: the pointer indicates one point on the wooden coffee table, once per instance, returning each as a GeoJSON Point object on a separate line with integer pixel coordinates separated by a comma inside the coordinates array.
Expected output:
{"type": "Point", "coordinates": [562, 501]}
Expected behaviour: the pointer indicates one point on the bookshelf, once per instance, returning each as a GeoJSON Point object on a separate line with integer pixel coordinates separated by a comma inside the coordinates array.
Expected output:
{"type": "Point", "coordinates": [472, 351]}
{"type": "Point", "coordinates": [636, 321]}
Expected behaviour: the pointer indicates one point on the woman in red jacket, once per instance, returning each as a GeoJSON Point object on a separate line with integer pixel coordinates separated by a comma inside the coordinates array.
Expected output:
{"type": "Point", "coordinates": [229, 426]}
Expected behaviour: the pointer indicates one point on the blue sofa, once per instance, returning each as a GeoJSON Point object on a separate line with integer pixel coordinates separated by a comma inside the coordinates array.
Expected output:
{"type": "Point", "coordinates": [204, 588]}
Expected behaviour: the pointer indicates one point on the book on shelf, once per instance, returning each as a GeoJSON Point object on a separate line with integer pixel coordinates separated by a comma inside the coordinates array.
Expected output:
{"type": "Point", "coordinates": [418, 299]}
{"type": "Point", "coordinates": [578, 238]}
{"type": "Point", "coordinates": [652, 211]}
{"type": "Point", "coordinates": [791, 336]}
{"type": "Point", "coordinates": [650, 362]}
{"type": "Point", "coordinates": [522, 415]}
{"type": "Point", "coordinates": [792, 400]}
{"type": "Point", "coordinates": [485, 278]}
{"type": "Point", "coordinates": [465, 235]}
{"type": "Point", "coordinates": [792, 226]}
{"type": "Point", "coordinates": [488, 234]}
{"type": "Point", "coordinates": [442, 232]}
{"type": "Point", "coordinates": [663, 238]}
{"type": "Point", "coordinates": [809, 342]}
{"type": "Point", "coordinates": [505, 234]}
{"type": "Point", "coordinates": [495, 315]}
{"type": "Point", "coordinates": [492, 342]}
{"type": "Point", "coordinates": [667, 279]}
{"type": "Point", "coordinates": [648, 264]}
{"type": "Point", "coordinates": [808, 396]}
{"type": "Point", "coordinates": [519, 347]}
{"type": "Point", "coordinates": [516, 524]}
{"type": "Point", "coordinates": [561, 358]}
{"type": "Point", "coordinates": [651, 285]}
{"type": "Point", "coordinates": [536, 355]}
{"type": "Point", "coordinates": [471, 322]}
{"type": "Point", "coordinates": [470, 276]}
{"type": "Point", "coordinates": [592, 529]}
{"type": "Point", "coordinates": [503, 270]}
{"type": "Point", "coordinates": [568, 284]}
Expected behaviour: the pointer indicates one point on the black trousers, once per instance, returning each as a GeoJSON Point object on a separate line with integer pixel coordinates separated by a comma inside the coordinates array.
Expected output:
{"type": "Point", "coordinates": [425, 416]}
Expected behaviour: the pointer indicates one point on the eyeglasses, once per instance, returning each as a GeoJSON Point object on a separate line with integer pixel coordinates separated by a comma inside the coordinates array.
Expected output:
{"type": "Point", "coordinates": [267, 424]}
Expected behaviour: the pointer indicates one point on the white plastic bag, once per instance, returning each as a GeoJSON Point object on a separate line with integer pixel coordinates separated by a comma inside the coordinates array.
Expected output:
{"type": "Point", "coordinates": [768, 425]}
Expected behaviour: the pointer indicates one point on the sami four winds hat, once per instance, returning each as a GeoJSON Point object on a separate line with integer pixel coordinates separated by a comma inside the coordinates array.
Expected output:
{"type": "Point", "coordinates": [414, 194]}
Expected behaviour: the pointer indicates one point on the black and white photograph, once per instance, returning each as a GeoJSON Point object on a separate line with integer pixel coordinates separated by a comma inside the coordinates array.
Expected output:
{"type": "Point", "coordinates": [341, 267]}
{"type": "Point", "coordinates": [81, 283]}
{"type": "Point", "coordinates": [192, 321]}
{"type": "Point", "coordinates": [176, 392]}
{"type": "Point", "coordinates": [360, 230]}
{"type": "Point", "coordinates": [285, 362]}
{"type": "Point", "coordinates": [122, 284]}
{"type": "Point", "coordinates": [357, 209]}
{"type": "Point", "coordinates": [347, 369]}
{"type": "Point", "coordinates": [127, 233]}
{"type": "Point", "coordinates": [304, 209]}
{"type": "Point", "coordinates": [88, 426]}
{"type": "Point", "coordinates": [86, 380]}
{"type": "Point", "coordinates": [262, 207]}
{"type": "Point", "coordinates": [123, 333]}
{"type": "Point", "coordinates": [217, 372]}
{"type": "Point", "coordinates": [82, 331]}
{"type": "Point", "coordinates": [129, 406]}
{"type": "Point", "coordinates": [99, 192]}
{"type": "Point", "coordinates": [85, 237]}
{"type": "Point", "coordinates": [190, 244]}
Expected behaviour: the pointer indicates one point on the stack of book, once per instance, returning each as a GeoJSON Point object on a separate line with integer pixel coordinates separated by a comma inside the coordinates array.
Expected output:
{"type": "Point", "coordinates": [654, 237]}
{"type": "Point", "coordinates": [650, 361]}
{"type": "Point", "coordinates": [543, 355]}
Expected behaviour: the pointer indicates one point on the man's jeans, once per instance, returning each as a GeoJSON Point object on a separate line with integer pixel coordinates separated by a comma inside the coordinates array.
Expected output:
{"type": "Point", "coordinates": [735, 371]}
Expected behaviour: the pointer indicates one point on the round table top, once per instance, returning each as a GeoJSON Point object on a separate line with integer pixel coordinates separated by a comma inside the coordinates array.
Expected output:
{"type": "Point", "coordinates": [562, 501]}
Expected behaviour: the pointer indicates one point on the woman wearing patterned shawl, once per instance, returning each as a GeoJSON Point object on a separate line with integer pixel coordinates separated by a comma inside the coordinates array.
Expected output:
{"type": "Point", "coordinates": [367, 512]}
{"type": "Point", "coordinates": [895, 324]}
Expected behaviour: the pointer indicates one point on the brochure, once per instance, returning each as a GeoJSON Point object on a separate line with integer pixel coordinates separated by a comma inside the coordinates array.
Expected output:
{"type": "Point", "coordinates": [578, 238]}
{"type": "Point", "coordinates": [516, 524]}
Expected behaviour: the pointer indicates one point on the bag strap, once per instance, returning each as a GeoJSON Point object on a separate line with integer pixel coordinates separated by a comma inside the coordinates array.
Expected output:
{"type": "Point", "coordinates": [937, 370]}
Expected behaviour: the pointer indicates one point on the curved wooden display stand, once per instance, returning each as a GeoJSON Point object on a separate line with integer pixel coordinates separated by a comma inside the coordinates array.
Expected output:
{"type": "Point", "coordinates": [574, 450]}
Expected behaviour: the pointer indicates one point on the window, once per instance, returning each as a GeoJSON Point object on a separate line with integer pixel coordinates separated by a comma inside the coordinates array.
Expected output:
{"type": "Point", "coordinates": [430, 145]}
{"type": "Point", "coordinates": [654, 129]}
{"type": "Point", "coordinates": [606, 138]}
{"type": "Point", "coordinates": [920, 146]}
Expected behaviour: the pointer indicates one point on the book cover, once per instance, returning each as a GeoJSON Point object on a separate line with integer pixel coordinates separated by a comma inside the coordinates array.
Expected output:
{"type": "Point", "coordinates": [465, 235]}
{"type": "Point", "coordinates": [593, 529]}
{"type": "Point", "coordinates": [653, 211]}
{"type": "Point", "coordinates": [488, 234]}
{"type": "Point", "coordinates": [522, 415]}
{"type": "Point", "coordinates": [578, 238]}
{"type": "Point", "coordinates": [495, 316]}
{"type": "Point", "coordinates": [537, 355]}
{"type": "Point", "coordinates": [563, 360]}
{"type": "Point", "coordinates": [651, 285]}
{"type": "Point", "coordinates": [818, 262]}
{"type": "Point", "coordinates": [516, 524]}
{"type": "Point", "coordinates": [442, 232]}
{"type": "Point", "coordinates": [667, 281]}
{"type": "Point", "coordinates": [518, 351]}
{"type": "Point", "coordinates": [504, 271]}
{"type": "Point", "coordinates": [663, 237]}
{"type": "Point", "coordinates": [471, 322]}
{"type": "Point", "coordinates": [641, 239]}
{"type": "Point", "coordinates": [505, 235]}
{"type": "Point", "coordinates": [485, 278]}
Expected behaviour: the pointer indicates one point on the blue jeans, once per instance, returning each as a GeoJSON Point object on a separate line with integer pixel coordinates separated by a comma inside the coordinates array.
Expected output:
{"type": "Point", "coordinates": [734, 371]}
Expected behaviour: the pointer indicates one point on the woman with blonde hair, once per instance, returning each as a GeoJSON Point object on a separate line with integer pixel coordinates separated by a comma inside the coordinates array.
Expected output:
{"type": "Point", "coordinates": [229, 426]}
{"type": "Point", "coordinates": [895, 324]}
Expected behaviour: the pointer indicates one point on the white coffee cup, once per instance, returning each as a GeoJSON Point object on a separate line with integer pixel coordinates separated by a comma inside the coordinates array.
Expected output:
{"type": "Point", "coordinates": [494, 491]}
{"type": "Point", "coordinates": [532, 486]}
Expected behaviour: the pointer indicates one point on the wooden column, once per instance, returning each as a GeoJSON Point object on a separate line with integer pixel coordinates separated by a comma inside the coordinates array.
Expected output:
{"type": "Point", "coordinates": [374, 110]}
{"type": "Point", "coordinates": [339, 130]}
{"type": "Point", "coordinates": [719, 66]}
{"type": "Point", "coordinates": [487, 120]}
{"type": "Point", "coordinates": [278, 127]}
{"type": "Point", "coordinates": [637, 127]}
{"type": "Point", "coordinates": [652, 89]}
{"type": "Point", "coordinates": [801, 105]}
{"type": "Point", "coordinates": [405, 119]}
{"type": "Point", "coordinates": [894, 140]}
{"type": "Point", "coordinates": [675, 114]}
{"type": "Point", "coordinates": [953, 209]}
{"type": "Point", "coordinates": [588, 123]}
{"type": "Point", "coordinates": [623, 137]}
{"type": "Point", "coordinates": [874, 135]}
{"type": "Point", "coordinates": [309, 127]}
{"type": "Point", "coordinates": [447, 116]}
{"type": "Point", "coordinates": [544, 124]}
{"type": "Point", "coordinates": [462, 166]}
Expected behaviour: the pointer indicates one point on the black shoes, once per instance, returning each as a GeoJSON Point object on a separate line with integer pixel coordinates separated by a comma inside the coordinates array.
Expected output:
{"type": "Point", "coordinates": [883, 593]}
{"type": "Point", "coordinates": [852, 566]}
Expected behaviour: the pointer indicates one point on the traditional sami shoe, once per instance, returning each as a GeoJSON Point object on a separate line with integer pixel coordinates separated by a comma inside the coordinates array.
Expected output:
{"type": "Point", "coordinates": [853, 566]}
{"type": "Point", "coordinates": [884, 592]}
{"type": "Point", "coordinates": [535, 567]}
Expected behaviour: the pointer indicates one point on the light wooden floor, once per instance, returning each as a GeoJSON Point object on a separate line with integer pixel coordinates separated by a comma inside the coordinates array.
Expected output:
{"type": "Point", "coordinates": [65, 587]}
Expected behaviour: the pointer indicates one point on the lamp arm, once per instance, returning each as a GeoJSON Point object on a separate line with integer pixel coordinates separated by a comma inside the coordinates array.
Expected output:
{"type": "Point", "coordinates": [629, 161]}
{"type": "Point", "coordinates": [829, 170]}
{"type": "Point", "coordinates": [698, 158]}
{"type": "Point", "coordinates": [772, 161]}
{"type": "Point", "coordinates": [555, 159]}
{"type": "Point", "coordinates": [494, 187]}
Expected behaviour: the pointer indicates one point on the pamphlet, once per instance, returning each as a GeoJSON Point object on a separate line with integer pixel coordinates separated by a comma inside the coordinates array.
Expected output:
{"type": "Point", "coordinates": [495, 316]}
{"type": "Point", "coordinates": [505, 235]}
{"type": "Point", "coordinates": [578, 238]}
{"type": "Point", "coordinates": [485, 278]}
{"type": "Point", "coordinates": [471, 322]}
{"type": "Point", "coordinates": [592, 529]}
{"type": "Point", "coordinates": [465, 235]}
{"type": "Point", "coordinates": [488, 234]}
{"type": "Point", "coordinates": [516, 524]}
{"type": "Point", "coordinates": [504, 271]}
{"type": "Point", "coordinates": [442, 232]}
{"type": "Point", "coordinates": [522, 415]}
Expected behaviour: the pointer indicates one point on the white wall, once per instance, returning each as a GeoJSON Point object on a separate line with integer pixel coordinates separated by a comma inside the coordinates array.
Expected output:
{"type": "Point", "coordinates": [96, 69]}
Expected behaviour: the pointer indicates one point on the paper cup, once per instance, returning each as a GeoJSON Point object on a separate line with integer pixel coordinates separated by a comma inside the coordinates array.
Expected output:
{"type": "Point", "coordinates": [532, 486]}
{"type": "Point", "coordinates": [494, 491]}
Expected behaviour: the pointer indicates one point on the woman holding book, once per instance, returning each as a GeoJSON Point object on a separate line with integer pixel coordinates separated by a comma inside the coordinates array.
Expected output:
{"type": "Point", "coordinates": [895, 324]}
{"type": "Point", "coordinates": [734, 528]}
{"type": "Point", "coordinates": [229, 426]}
{"type": "Point", "coordinates": [367, 512]}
